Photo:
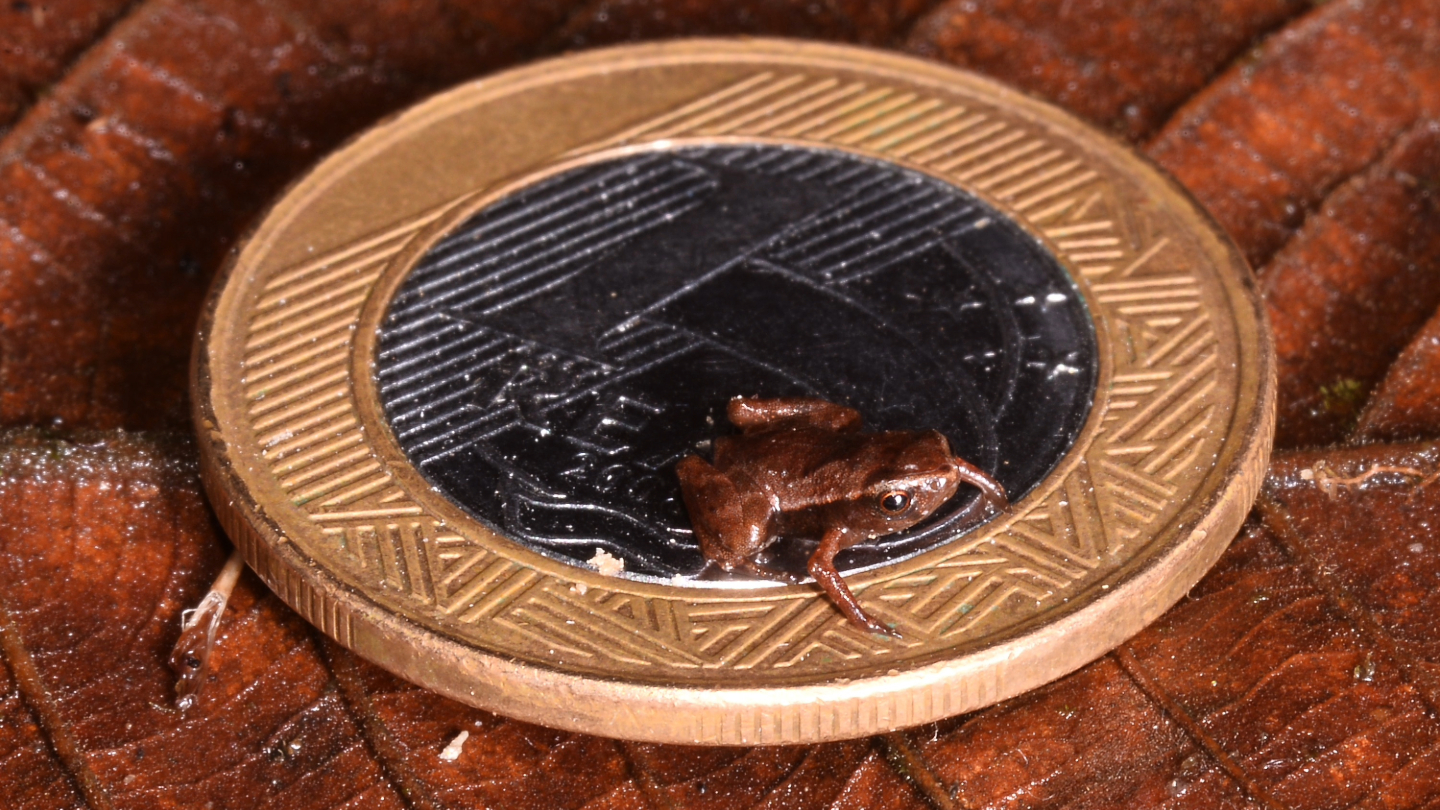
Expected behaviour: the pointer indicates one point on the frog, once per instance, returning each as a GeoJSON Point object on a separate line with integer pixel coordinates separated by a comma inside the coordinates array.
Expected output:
{"type": "Point", "coordinates": [802, 467]}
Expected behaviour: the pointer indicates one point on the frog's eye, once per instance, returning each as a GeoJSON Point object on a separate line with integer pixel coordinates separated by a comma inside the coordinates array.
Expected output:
{"type": "Point", "coordinates": [895, 501]}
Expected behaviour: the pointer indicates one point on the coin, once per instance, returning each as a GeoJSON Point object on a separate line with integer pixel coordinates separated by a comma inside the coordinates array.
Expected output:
{"type": "Point", "coordinates": [442, 388]}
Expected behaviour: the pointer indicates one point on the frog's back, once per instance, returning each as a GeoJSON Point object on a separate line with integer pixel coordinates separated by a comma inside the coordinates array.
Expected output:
{"type": "Point", "coordinates": [807, 467]}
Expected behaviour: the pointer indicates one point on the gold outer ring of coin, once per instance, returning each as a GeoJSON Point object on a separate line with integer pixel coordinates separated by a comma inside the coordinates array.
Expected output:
{"type": "Point", "coordinates": [313, 488]}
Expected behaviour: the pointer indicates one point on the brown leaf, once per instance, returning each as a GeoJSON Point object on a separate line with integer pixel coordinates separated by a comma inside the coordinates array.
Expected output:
{"type": "Point", "coordinates": [29, 770]}
{"type": "Point", "coordinates": [118, 542]}
{"type": "Point", "coordinates": [1263, 144]}
{"type": "Point", "coordinates": [1302, 672]}
{"type": "Point", "coordinates": [1092, 739]}
{"type": "Point", "coordinates": [1407, 403]}
{"type": "Point", "coordinates": [1350, 289]}
{"type": "Point", "coordinates": [610, 21]}
{"type": "Point", "coordinates": [126, 186]}
{"type": "Point", "coordinates": [1124, 65]}
{"type": "Point", "coordinates": [501, 762]}
{"type": "Point", "coordinates": [37, 42]}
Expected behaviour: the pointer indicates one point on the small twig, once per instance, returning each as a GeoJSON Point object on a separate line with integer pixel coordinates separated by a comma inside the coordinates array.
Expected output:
{"type": "Point", "coordinates": [911, 766]}
{"type": "Point", "coordinates": [1429, 479]}
{"type": "Point", "coordinates": [197, 633]}
{"type": "Point", "coordinates": [1330, 483]}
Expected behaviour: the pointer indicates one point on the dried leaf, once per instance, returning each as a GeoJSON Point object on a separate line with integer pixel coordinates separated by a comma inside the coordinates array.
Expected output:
{"type": "Point", "coordinates": [610, 21]}
{"type": "Point", "coordinates": [38, 40]}
{"type": "Point", "coordinates": [1407, 403]}
{"type": "Point", "coordinates": [1124, 65]}
{"type": "Point", "coordinates": [1262, 145]}
{"type": "Point", "coordinates": [1348, 292]}
{"type": "Point", "coordinates": [126, 186]}
{"type": "Point", "coordinates": [31, 773]}
{"type": "Point", "coordinates": [1304, 671]}
{"type": "Point", "coordinates": [118, 543]}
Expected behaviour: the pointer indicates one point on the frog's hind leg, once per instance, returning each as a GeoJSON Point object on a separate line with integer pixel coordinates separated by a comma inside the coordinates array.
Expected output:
{"type": "Point", "coordinates": [822, 568]}
{"type": "Point", "coordinates": [751, 414]}
{"type": "Point", "coordinates": [732, 527]}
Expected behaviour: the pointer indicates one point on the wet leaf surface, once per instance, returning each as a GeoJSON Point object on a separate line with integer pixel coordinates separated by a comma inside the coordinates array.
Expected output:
{"type": "Point", "coordinates": [39, 40]}
{"type": "Point", "coordinates": [1304, 671]}
{"type": "Point", "coordinates": [1123, 65]}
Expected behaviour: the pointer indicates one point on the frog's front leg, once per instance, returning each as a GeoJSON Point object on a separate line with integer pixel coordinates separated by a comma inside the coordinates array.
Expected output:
{"type": "Point", "coordinates": [822, 568]}
{"type": "Point", "coordinates": [751, 414]}
{"type": "Point", "coordinates": [732, 525]}
{"type": "Point", "coordinates": [990, 490]}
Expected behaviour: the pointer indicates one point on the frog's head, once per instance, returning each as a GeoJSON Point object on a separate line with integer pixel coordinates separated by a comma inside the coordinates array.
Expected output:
{"type": "Point", "coordinates": [918, 477]}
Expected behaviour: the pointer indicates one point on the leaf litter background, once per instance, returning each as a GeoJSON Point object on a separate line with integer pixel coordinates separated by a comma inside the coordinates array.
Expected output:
{"type": "Point", "coordinates": [137, 139]}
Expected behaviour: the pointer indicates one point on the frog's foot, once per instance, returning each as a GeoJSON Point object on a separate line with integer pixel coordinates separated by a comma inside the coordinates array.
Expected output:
{"type": "Point", "coordinates": [822, 568]}
{"type": "Point", "coordinates": [709, 572]}
{"type": "Point", "coordinates": [754, 568]}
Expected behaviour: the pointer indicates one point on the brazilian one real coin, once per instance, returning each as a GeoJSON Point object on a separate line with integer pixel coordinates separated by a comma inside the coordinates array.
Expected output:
{"type": "Point", "coordinates": [442, 389]}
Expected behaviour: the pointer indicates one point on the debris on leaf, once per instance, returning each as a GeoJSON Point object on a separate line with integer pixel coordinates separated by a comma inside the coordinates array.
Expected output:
{"type": "Point", "coordinates": [1330, 483]}
{"type": "Point", "coordinates": [1344, 397]}
{"type": "Point", "coordinates": [197, 633]}
{"type": "Point", "coordinates": [452, 751]}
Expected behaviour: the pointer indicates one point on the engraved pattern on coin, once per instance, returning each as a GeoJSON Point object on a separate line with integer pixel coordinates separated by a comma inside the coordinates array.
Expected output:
{"type": "Point", "coordinates": [1155, 312]}
{"type": "Point", "coordinates": [549, 361]}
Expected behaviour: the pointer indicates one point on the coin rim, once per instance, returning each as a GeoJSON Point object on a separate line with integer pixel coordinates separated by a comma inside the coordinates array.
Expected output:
{"type": "Point", "coordinates": [613, 708]}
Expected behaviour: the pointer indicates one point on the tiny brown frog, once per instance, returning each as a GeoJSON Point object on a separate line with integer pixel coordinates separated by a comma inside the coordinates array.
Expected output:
{"type": "Point", "coordinates": [802, 468]}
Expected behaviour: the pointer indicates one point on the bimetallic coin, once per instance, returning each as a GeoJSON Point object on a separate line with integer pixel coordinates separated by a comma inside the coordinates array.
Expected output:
{"type": "Point", "coordinates": [443, 388]}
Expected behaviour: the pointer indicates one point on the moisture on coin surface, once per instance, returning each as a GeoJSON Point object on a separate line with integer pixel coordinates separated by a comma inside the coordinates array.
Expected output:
{"type": "Point", "coordinates": [549, 362]}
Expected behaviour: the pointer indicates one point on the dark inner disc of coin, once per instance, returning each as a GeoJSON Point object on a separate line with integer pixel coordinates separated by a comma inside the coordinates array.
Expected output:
{"type": "Point", "coordinates": [547, 363]}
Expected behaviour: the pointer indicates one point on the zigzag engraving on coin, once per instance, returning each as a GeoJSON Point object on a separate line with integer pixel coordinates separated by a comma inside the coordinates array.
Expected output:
{"type": "Point", "coordinates": [443, 388]}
